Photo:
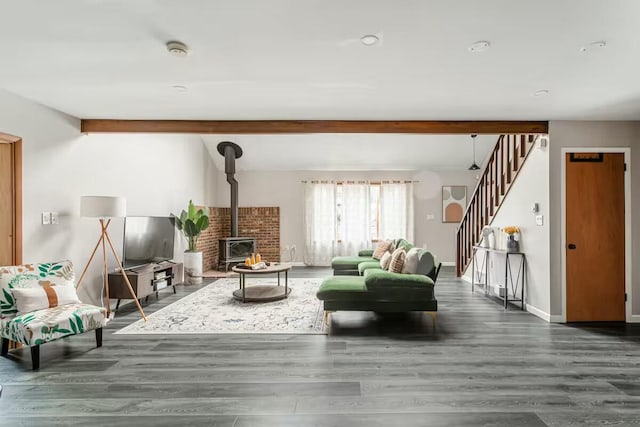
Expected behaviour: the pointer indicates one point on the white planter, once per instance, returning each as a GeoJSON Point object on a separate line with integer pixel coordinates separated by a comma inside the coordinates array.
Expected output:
{"type": "Point", "coordinates": [192, 268]}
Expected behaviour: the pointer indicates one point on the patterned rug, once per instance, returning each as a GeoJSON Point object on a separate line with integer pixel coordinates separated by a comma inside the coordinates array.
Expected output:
{"type": "Point", "coordinates": [213, 310]}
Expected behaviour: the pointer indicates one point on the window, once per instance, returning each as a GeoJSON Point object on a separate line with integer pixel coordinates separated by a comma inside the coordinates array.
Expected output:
{"type": "Point", "coordinates": [374, 212]}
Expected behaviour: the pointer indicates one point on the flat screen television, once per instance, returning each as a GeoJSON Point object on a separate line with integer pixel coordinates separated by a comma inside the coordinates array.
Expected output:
{"type": "Point", "coordinates": [147, 239]}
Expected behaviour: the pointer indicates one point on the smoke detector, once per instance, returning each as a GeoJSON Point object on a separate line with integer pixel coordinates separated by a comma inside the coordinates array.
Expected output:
{"type": "Point", "coordinates": [178, 49]}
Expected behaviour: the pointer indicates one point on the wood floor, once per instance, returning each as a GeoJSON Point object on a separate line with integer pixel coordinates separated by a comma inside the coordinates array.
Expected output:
{"type": "Point", "coordinates": [483, 366]}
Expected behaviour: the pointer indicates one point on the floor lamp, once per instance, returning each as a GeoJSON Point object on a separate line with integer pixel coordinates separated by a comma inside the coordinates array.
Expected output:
{"type": "Point", "coordinates": [106, 208]}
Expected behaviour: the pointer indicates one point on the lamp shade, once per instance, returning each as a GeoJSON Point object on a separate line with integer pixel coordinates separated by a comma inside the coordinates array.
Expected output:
{"type": "Point", "coordinates": [103, 207]}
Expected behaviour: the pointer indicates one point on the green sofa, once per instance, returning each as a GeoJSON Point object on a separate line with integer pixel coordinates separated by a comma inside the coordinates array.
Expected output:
{"type": "Point", "coordinates": [382, 291]}
{"type": "Point", "coordinates": [348, 265]}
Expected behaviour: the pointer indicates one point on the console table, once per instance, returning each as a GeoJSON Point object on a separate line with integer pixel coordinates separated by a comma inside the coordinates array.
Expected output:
{"type": "Point", "coordinates": [518, 284]}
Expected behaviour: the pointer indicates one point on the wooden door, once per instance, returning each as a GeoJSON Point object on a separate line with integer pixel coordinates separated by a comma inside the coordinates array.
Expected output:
{"type": "Point", "coordinates": [595, 237]}
{"type": "Point", "coordinates": [7, 205]}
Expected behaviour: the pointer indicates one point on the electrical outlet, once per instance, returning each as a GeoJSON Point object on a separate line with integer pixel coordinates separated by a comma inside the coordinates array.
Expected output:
{"type": "Point", "coordinates": [539, 220]}
{"type": "Point", "coordinates": [46, 218]}
{"type": "Point", "coordinates": [54, 217]}
{"type": "Point", "coordinates": [430, 217]}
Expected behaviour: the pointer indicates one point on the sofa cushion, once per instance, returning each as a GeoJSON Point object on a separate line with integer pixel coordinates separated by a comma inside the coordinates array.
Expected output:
{"type": "Point", "coordinates": [49, 324]}
{"type": "Point", "coordinates": [378, 280]}
{"type": "Point", "coordinates": [366, 252]}
{"type": "Point", "coordinates": [385, 261]}
{"type": "Point", "coordinates": [402, 243]}
{"type": "Point", "coordinates": [30, 275]}
{"type": "Point", "coordinates": [348, 262]}
{"type": "Point", "coordinates": [342, 287]}
{"type": "Point", "coordinates": [367, 265]}
{"type": "Point", "coordinates": [411, 261]}
{"type": "Point", "coordinates": [381, 249]}
{"type": "Point", "coordinates": [397, 260]}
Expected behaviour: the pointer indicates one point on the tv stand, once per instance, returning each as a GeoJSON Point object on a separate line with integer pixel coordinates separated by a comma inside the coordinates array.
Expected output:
{"type": "Point", "coordinates": [145, 280]}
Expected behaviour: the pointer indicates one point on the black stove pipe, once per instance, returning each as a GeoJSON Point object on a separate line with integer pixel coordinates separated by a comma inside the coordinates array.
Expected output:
{"type": "Point", "coordinates": [231, 152]}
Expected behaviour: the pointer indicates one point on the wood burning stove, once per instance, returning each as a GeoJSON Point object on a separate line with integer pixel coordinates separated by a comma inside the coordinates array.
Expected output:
{"type": "Point", "coordinates": [233, 249]}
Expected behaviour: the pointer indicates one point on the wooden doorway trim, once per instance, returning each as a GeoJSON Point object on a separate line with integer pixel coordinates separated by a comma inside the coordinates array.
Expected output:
{"type": "Point", "coordinates": [627, 223]}
{"type": "Point", "coordinates": [16, 143]}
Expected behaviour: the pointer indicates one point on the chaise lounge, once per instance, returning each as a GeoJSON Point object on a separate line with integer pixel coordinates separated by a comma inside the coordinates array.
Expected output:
{"type": "Point", "coordinates": [375, 289]}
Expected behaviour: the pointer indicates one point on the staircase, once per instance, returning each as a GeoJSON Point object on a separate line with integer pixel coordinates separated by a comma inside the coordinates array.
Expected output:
{"type": "Point", "coordinates": [500, 172]}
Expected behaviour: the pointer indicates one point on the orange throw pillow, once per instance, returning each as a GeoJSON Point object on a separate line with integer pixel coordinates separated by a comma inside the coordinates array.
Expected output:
{"type": "Point", "coordinates": [381, 249]}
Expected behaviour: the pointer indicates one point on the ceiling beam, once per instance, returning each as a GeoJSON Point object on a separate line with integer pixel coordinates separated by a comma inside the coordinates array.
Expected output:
{"type": "Point", "coordinates": [313, 126]}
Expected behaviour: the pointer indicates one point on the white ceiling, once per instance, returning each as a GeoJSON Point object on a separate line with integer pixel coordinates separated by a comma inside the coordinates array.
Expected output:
{"type": "Point", "coordinates": [292, 59]}
{"type": "Point", "coordinates": [352, 152]}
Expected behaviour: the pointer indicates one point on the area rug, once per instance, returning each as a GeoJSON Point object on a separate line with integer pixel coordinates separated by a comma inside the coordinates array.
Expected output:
{"type": "Point", "coordinates": [213, 310]}
{"type": "Point", "coordinates": [215, 274]}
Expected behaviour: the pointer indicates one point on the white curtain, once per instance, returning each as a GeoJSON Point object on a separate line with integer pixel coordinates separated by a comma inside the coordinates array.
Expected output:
{"type": "Point", "coordinates": [396, 211]}
{"type": "Point", "coordinates": [320, 223]}
{"type": "Point", "coordinates": [355, 219]}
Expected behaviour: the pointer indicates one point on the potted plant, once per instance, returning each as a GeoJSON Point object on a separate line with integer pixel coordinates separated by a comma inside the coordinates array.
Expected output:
{"type": "Point", "coordinates": [192, 223]}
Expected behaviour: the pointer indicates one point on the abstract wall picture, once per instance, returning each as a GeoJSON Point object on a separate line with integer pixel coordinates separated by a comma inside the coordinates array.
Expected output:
{"type": "Point", "coordinates": [454, 202]}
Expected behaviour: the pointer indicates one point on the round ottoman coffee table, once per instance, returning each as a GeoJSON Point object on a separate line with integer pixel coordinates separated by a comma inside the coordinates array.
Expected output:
{"type": "Point", "coordinates": [263, 293]}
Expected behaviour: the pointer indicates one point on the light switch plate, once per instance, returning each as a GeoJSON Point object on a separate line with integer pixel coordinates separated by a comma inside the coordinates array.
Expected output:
{"type": "Point", "coordinates": [46, 218]}
{"type": "Point", "coordinates": [431, 216]}
{"type": "Point", "coordinates": [54, 217]}
{"type": "Point", "coordinates": [539, 220]}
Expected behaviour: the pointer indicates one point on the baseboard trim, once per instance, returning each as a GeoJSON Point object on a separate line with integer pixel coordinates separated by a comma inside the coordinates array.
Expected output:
{"type": "Point", "coordinates": [634, 318]}
{"type": "Point", "coordinates": [465, 279]}
{"type": "Point", "coordinates": [295, 263]}
{"type": "Point", "coordinates": [543, 314]}
{"type": "Point", "coordinates": [448, 263]}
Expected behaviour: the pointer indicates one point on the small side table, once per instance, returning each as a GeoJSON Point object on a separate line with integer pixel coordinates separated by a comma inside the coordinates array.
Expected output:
{"type": "Point", "coordinates": [518, 284]}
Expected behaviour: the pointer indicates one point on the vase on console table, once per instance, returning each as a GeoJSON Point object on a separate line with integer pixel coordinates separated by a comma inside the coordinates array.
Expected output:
{"type": "Point", "coordinates": [512, 244]}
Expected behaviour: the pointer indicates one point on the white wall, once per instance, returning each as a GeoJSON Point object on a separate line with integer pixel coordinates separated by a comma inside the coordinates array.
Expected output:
{"type": "Point", "coordinates": [531, 186]}
{"type": "Point", "coordinates": [285, 190]}
{"type": "Point", "coordinates": [591, 134]}
{"type": "Point", "coordinates": [157, 174]}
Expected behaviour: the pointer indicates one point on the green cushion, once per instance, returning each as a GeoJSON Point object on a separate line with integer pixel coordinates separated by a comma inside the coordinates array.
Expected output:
{"type": "Point", "coordinates": [348, 262]}
{"type": "Point", "coordinates": [402, 243]}
{"type": "Point", "coordinates": [367, 265]}
{"type": "Point", "coordinates": [366, 252]}
{"type": "Point", "coordinates": [342, 288]}
{"type": "Point", "coordinates": [352, 292]}
{"type": "Point", "coordinates": [378, 280]}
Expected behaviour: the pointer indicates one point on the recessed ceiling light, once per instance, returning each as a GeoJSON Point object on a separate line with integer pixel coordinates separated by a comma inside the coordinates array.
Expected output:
{"type": "Point", "coordinates": [178, 49]}
{"type": "Point", "coordinates": [369, 40]}
{"type": "Point", "coordinates": [594, 46]}
{"type": "Point", "coordinates": [541, 92]}
{"type": "Point", "coordinates": [180, 88]}
{"type": "Point", "coordinates": [480, 46]}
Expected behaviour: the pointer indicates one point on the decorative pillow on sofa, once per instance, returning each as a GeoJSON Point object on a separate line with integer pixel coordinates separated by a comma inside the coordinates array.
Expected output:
{"type": "Point", "coordinates": [381, 249]}
{"type": "Point", "coordinates": [397, 260]}
{"type": "Point", "coordinates": [385, 260]}
{"type": "Point", "coordinates": [411, 261]}
{"type": "Point", "coordinates": [44, 296]}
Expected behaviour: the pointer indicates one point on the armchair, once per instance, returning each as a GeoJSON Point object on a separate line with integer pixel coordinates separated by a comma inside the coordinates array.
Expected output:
{"type": "Point", "coordinates": [47, 324]}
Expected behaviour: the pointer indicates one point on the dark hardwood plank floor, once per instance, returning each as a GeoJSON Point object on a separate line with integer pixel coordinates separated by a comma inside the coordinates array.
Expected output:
{"type": "Point", "coordinates": [482, 365]}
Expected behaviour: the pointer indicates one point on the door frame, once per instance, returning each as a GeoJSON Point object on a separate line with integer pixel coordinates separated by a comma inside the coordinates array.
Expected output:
{"type": "Point", "coordinates": [627, 223]}
{"type": "Point", "coordinates": [16, 141]}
